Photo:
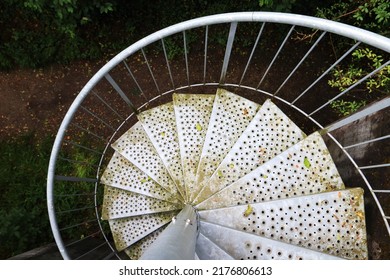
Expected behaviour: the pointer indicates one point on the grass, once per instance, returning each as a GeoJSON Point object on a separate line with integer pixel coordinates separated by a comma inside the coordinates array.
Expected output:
{"type": "Point", "coordinates": [24, 222]}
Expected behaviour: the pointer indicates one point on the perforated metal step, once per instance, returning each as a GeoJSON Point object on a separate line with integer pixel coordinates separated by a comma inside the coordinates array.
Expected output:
{"type": "Point", "coordinates": [136, 250]}
{"type": "Point", "coordinates": [160, 126]}
{"type": "Point", "coordinates": [230, 116]}
{"type": "Point", "coordinates": [122, 174]}
{"type": "Point", "coordinates": [119, 203]}
{"type": "Point", "coordinates": [269, 133]}
{"type": "Point", "coordinates": [192, 119]}
{"type": "Point", "coordinates": [331, 222]}
{"type": "Point", "coordinates": [127, 231]}
{"type": "Point", "coordinates": [245, 246]}
{"type": "Point", "coordinates": [136, 147]}
{"type": "Point", "coordinates": [303, 169]}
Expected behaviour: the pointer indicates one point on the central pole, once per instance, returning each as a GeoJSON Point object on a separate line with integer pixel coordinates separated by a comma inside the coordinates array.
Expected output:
{"type": "Point", "coordinates": [178, 240]}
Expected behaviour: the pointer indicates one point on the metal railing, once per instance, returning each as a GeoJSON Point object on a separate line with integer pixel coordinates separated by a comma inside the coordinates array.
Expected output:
{"type": "Point", "coordinates": [257, 54]}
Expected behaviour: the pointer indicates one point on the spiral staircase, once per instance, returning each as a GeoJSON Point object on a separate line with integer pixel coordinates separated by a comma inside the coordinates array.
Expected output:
{"type": "Point", "coordinates": [223, 165]}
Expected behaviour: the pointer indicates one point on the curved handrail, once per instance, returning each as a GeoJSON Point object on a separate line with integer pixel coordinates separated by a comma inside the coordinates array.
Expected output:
{"type": "Point", "coordinates": [344, 30]}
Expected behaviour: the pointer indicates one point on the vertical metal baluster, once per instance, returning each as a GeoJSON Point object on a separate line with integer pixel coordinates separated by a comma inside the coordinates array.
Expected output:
{"type": "Point", "coordinates": [167, 61]}
{"type": "Point", "coordinates": [89, 132]}
{"type": "Point", "coordinates": [97, 117]}
{"type": "Point", "coordinates": [368, 110]}
{"type": "Point", "coordinates": [119, 91]}
{"type": "Point", "coordinates": [82, 147]}
{"type": "Point", "coordinates": [327, 71]}
{"type": "Point", "coordinates": [150, 70]}
{"type": "Point", "coordinates": [228, 51]}
{"type": "Point", "coordinates": [367, 142]}
{"type": "Point", "coordinates": [186, 57]}
{"type": "Point", "coordinates": [251, 55]}
{"type": "Point", "coordinates": [108, 105]}
{"type": "Point", "coordinates": [135, 80]}
{"type": "Point", "coordinates": [351, 87]}
{"type": "Point", "coordinates": [302, 60]}
{"type": "Point", "coordinates": [205, 53]}
{"type": "Point", "coordinates": [276, 55]}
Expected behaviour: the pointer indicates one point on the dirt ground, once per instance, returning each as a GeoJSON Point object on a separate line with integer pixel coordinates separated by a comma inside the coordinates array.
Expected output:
{"type": "Point", "coordinates": [35, 101]}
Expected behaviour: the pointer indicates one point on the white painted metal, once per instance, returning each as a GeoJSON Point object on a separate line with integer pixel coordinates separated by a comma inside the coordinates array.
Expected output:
{"type": "Point", "coordinates": [269, 133]}
{"type": "Point", "coordinates": [331, 222]}
{"type": "Point", "coordinates": [303, 169]}
{"type": "Point", "coordinates": [121, 173]}
{"type": "Point", "coordinates": [192, 119]}
{"type": "Point", "coordinates": [160, 126]}
{"type": "Point", "coordinates": [230, 116]}
{"type": "Point", "coordinates": [246, 246]}
{"type": "Point", "coordinates": [136, 147]}
{"type": "Point", "coordinates": [119, 203]}
{"type": "Point", "coordinates": [127, 231]}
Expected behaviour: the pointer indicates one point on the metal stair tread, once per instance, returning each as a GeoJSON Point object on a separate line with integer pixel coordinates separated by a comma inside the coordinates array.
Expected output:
{"type": "Point", "coordinates": [247, 246]}
{"type": "Point", "coordinates": [268, 134]}
{"type": "Point", "coordinates": [230, 116]}
{"type": "Point", "coordinates": [127, 231]}
{"type": "Point", "coordinates": [121, 173]}
{"type": "Point", "coordinates": [136, 250]}
{"type": "Point", "coordinates": [207, 250]}
{"type": "Point", "coordinates": [136, 147]}
{"type": "Point", "coordinates": [160, 126]}
{"type": "Point", "coordinates": [330, 222]}
{"type": "Point", "coordinates": [192, 113]}
{"type": "Point", "coordinates": [119, 203]}
{"type": "Point", "coordinates": [303, 169]}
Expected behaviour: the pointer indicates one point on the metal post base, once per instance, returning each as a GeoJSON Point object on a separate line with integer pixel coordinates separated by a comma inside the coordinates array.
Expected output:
{"type": "Point", "coordinates": [178, 240]}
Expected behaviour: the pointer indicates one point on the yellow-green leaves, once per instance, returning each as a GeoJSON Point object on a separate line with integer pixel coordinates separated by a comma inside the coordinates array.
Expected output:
{"type": "Point", "coordinates": [248, 210]}
{"type": "Point", "coordinates": [198, 127]}
{"type": "Point", "coordinates": [306, 162]}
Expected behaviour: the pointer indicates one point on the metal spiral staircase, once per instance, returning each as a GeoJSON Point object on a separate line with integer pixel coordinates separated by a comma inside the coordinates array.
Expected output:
{"type": "Point", "coordinates": [223, 152]}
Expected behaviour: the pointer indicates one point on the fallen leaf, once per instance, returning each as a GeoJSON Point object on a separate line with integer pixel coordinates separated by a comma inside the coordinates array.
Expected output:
{"type": "Point", "coordinates": [248, 210]}
{"type": "Point", "coordinates": [245, 111]}
{"type": "Point", "coordinates": [162, 133]}
{"type": "Point", "coordinates": [198, 127]}
{"type": "Point", "coordinates": [306, 162]}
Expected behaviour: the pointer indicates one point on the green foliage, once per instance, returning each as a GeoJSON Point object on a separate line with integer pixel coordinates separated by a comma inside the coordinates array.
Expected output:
{"type": "Point", "coordinates": [373, 15]}
{"type": "Point", "coordinates": [38, 32]}
{"type": "Point", "coordinates": [344, 108]}
{"type": "Point", "coordinates": [277, 5]}
{"type": "Point", "coordinates": [23, 171]}
{"type": "Point", "coordinates": [365, 60]}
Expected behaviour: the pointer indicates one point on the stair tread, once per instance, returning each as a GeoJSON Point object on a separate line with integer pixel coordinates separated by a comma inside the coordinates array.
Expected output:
{"type": "Point", "coordinates": [247, 246]}
{"type": "Point", "coordinates": [192, 113]}
{"type": "Point", "coordinates": [330, 222]}
{"type": "Point", "coordinates": [160, 125]}
{"type": "Point", "coordinates": [127, 231]}
{"type": "Point", "coordinates": [122, 174]}
{"type": "Point", "coordinates": [136, 147]}
{"type": "Point", "coordinates": [136, 250]}
{"type": "Point", "coordinates": [119, 203]}
{"type": "Point", "coordinates": [303, 169]}
{"type": "Point", "coordinates": [230, 116]}
{"type": "Point", "coordinates": [207, 250]}
{"type": "Point", "coordinates": [268, 134]}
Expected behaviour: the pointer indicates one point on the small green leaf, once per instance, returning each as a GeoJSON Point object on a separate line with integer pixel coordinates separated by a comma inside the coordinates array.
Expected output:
{"type": "Point", "coordinates": [145, 180]}
{"type": "Point", "coordinates": [248, 210]}
{"type": "Point", "coordinates": [306, 162]}
{"type": "Point", "coordinates": [220, 174]}
{"type": "Point", "coordinates": [198, 127]}
{"type": "Point", "coordinates": [231, 165]}
{"type": "Point", "coordinates": [162, 134]}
